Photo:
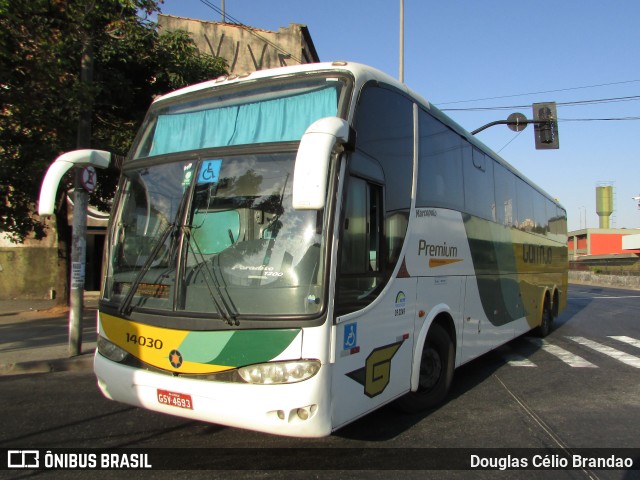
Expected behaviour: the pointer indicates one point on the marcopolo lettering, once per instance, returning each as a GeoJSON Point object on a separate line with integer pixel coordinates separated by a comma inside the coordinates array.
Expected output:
{"type": "Point", "coordinates": [426, 213]}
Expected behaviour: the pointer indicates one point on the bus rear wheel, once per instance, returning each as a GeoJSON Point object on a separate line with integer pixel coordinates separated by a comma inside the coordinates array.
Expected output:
{"type": "Point", "coordinates": [436, 372]}
{"type": "Point", "coordinates": [546, 322]}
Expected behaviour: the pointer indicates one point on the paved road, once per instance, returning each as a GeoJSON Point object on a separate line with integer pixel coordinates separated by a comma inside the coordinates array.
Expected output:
{"type": "Point", "coordinates": [579, 388]}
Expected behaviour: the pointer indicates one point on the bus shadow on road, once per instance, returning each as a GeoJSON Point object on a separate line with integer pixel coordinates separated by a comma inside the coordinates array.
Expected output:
{"type": "Point", "coordinates": [389, 422]}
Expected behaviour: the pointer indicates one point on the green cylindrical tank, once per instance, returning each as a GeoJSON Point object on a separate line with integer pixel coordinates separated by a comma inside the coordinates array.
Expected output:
{"type": "Point", "coordinates": [604, 204]}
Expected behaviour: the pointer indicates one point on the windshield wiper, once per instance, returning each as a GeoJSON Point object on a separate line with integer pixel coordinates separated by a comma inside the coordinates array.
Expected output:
{"type": "Point", "coordinates": [228, 313]}
{"type": "Point", "coordinates": [125, 308]}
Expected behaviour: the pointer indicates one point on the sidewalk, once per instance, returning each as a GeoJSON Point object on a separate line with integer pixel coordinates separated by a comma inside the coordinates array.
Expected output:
{"type": "Point", "coordinates": [34, 336]}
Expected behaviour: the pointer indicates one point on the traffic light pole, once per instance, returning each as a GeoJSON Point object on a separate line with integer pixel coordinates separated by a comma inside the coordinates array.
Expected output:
{"type": "Point", "coordinates": [510, 123]}
{"type": "Point", "coordinates": [545, 121]}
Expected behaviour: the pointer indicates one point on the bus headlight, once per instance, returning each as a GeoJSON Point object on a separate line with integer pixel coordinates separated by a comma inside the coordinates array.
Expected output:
{"type": "Point", "coordinates": [279, 372]}
{"type": "Point", "coordinates": [110, 350]}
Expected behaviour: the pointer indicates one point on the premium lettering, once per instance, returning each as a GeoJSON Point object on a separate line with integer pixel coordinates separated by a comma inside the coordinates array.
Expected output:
{"type": "Point", "coordinates": [432, 250]}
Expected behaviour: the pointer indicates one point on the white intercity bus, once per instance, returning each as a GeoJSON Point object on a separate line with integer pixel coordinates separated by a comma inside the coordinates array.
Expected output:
{"type": "Point", "coordinates": [292, 249]}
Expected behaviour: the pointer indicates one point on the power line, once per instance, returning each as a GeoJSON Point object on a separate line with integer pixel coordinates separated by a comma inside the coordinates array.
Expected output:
{"type": "Point", "coordinates": [228, 18]}
{"type": "Point", "coordinates": [563, 104]}
{"type": "Point", "coordinates": [615, 119]}
{"type": "Point", "coordinates": [509, 142]}
{"type": "Point", "coordinates": [541, 92]}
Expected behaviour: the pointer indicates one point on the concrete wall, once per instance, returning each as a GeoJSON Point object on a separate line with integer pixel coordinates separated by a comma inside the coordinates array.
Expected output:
{"type": "Point", "coordinates": [619, 281]}
{"type": "Point", "coordinates": [247, 49]}
{"type": "Point", "coordinates": [32, 270]}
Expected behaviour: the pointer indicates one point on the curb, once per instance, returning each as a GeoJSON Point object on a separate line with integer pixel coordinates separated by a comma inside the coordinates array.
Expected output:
{"type": "Point", "coordinates": [79, 363]}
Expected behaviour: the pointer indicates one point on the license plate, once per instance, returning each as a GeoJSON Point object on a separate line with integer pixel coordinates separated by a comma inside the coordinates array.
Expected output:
{"type": "Point", "coordinates": [175, 399]}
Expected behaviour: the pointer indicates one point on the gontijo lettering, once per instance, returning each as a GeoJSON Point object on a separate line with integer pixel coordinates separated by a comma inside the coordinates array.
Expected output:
{"type": "Point", "coordinates": [537, 254]}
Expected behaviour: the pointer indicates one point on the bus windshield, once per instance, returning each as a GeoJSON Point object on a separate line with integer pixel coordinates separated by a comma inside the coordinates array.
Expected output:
{"type": "Point", "coordinates": [216, 235]}
{"type": "Point", "coordinates": [204, 224]}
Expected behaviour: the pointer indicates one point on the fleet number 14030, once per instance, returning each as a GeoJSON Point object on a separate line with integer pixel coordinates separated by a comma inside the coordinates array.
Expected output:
{"type": "Point", "coordinates": [143, 341]}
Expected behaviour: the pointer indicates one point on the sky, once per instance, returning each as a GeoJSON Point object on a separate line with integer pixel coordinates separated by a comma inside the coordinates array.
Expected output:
{"type": "Point", "coordinates": [467, 54]}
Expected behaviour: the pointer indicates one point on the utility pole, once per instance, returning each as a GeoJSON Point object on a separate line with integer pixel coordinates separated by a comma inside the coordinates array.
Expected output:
{"type": "Point", "coordinates": [401, 72]}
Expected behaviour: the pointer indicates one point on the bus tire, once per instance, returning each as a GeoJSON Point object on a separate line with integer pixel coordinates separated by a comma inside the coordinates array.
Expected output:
{"type": "Point", "coordinates": [436, 372]}
{"type": "Point", "coordinates": [546, 322]}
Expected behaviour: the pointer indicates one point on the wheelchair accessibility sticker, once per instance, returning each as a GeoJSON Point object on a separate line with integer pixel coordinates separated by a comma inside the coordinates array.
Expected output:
{"type": "Point", "coordinates": [210, 171]}
{"type": "Point", "coordinates": [350, 336]}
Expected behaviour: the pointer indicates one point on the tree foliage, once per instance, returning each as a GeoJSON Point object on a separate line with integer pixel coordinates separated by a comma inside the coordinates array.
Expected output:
{"type": "Point", "coordinates": [42, 95]}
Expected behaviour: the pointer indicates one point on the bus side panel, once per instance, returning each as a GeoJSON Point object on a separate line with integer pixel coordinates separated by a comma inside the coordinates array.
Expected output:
{"type": "Point", "coordinates": [514, 270]}
{"type": "Point", "coordinates": [439, 255]}
{"type": "Point", "coordinates": [373, 353]}
{"type": "Point", "coordinates": [480, 334]}
{"type": "Point", "coordinates": [467, 270]}
{"type": "Point", "coordinates": [437, 296]}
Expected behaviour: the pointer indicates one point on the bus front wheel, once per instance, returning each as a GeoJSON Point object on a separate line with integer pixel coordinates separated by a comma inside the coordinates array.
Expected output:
{"type": "Point", "coordinates": [436, 372]}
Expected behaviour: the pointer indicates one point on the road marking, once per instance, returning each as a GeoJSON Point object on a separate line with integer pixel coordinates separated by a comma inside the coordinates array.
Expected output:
{"type": "Point", "coordinates": [564, 355]}
{"type": "Point", "coordinates": [514, 359]}
{"type": "Point", "coordinates": [586, 294]}
{"type": "Point", "coordinates": [615, 297]}
{"type": "Point", "coordinates": [629, 340]}
{"type": "Point", "coordinates": [609, 351]}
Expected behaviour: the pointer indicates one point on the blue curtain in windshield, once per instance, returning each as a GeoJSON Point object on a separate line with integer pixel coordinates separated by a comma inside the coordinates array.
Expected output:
{"type": "Point", "coordinates": [278, 120]}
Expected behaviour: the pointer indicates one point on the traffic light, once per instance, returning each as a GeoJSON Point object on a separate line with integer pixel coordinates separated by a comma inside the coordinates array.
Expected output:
{"type": "Point", "coordinates": [546, 126]}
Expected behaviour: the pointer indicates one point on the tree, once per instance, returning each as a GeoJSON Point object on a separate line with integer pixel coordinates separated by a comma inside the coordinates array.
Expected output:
{"type": "Point", "coordinates": [42, 95]}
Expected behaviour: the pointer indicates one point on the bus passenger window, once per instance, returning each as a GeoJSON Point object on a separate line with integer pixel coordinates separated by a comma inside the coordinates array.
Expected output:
{"type": "Point", "coordinates": [440, 171]}
{"type": "Point", "coordinates": [479, 184]}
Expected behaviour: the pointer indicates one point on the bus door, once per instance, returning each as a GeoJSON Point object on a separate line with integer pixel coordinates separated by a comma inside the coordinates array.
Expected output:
{"type": "Point", "coordinates": [373, 329]}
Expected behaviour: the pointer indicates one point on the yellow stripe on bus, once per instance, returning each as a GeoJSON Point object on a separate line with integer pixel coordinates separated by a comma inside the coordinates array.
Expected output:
{"type": "Point", "coordinates": [153, 345]}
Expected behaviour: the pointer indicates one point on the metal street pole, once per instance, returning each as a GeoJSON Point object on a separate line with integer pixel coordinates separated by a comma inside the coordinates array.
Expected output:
{"type": "Point", "coordinates": [401, 73]}
{"type": "Point", "coordinates": [80, 207]}
{"type": "Point", "coordinates": [84, 179]}
{"type": "Point", "coordinates": [78, 259]}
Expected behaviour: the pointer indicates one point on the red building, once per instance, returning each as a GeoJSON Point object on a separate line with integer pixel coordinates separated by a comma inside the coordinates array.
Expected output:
{"type": "Point", "coordinates": [604, 243]}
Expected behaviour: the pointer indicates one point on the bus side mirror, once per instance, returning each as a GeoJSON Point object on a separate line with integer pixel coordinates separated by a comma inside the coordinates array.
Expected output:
{"type": "Point", "coordinates": [323, 138]}
{"type": "Point", "coordinates": [62, 164]}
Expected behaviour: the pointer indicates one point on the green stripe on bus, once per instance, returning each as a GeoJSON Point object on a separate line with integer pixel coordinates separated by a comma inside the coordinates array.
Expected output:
{"type": "Point", "coordinates": [235, 349]}
{"type": "Point", "coordinates": [512, 269]}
